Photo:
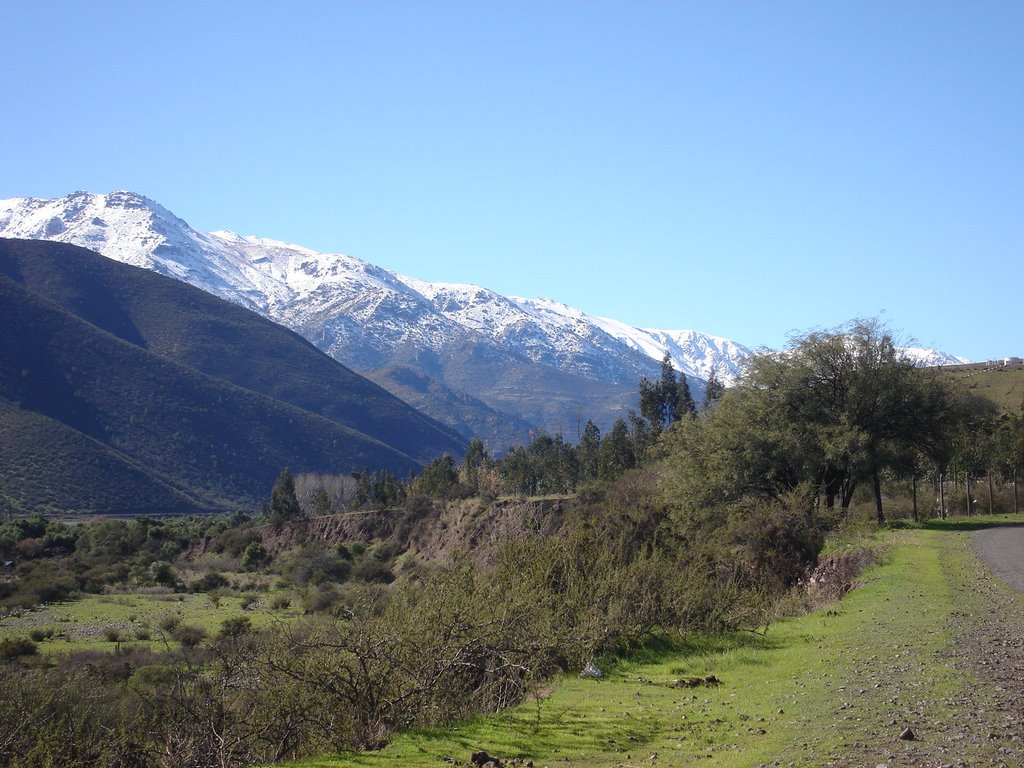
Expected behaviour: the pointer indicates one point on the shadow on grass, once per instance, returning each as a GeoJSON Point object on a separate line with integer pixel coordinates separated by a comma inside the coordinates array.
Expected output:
{"type": "Point", "coordinates": [585, 716]}
{"type": "Point", "coordinates": [668, 647]}
{"type": "Point", "coordinates": [974, 523]}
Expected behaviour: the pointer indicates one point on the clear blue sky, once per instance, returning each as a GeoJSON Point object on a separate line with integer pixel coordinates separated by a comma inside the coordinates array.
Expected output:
{"type": "Point", "coordinates": [746, 169]}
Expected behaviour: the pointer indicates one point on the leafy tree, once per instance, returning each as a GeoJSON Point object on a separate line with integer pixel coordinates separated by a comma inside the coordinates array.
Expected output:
{"type": "Point", "coordinates": [284, 504]}
{"type": "Point", "coordinates": [439, 479]}
{"type": "Point", "coordinates": [476, 458]}
{"type": "Point", "coordinates": [321, 503]}
{"type": "Point", "coordinates": [831, 412]}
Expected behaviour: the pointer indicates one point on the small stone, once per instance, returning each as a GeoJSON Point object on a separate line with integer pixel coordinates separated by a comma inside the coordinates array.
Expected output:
{"type": "Point", "coordinates": [907, 735]}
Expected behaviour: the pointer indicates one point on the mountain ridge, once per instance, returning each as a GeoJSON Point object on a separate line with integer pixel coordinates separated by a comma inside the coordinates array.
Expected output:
{"type": "Point", "coordinates": [192, 402]}
{"type": "Point", "coordinates": [469, 340]}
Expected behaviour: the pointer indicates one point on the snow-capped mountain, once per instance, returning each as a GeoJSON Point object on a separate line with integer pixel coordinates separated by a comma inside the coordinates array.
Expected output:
{"type": "Point", "coordinates": [489, 364]}
{"type": "Point", "coordinates": [472, 343]}
{"type": "Point", "coordinates": [926, 357]}
{"type": "Point", "coordinates": [341, 302]}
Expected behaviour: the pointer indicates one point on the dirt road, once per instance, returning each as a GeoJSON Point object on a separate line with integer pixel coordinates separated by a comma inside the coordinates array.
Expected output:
{"type": "Point", "coordinates": [1002, 550]}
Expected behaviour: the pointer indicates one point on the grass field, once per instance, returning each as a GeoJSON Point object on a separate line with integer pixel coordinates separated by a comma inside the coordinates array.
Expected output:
{"type": "Point", "coordinates": [89, 623]}
{"type": "Point", "coordinates": [807, 690]}
{"type": "Point", "coordinates": [1003, 386]}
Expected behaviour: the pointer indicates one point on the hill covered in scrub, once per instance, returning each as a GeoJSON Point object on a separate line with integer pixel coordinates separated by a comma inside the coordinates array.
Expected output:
{"type": "Point", "coordinates": [127, 380]}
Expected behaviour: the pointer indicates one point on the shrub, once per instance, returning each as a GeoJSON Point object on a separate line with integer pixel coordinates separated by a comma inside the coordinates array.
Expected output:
{"type": "Point", "coordinates": [112, 634]}
{"type": "Point", "coordinates": [235, 626]}
{"type": "Point", "coordinates": [14, 647]}
{"type": "Point", "coordinates": [188, 635]}
{"type": "Point", "coordinates": [255, 557]}
{"type": "Point", "coordinates": [210, 581]}
{"type": "Point", "coordinates": [280, 602]}
{"type": "Point", "coordinates": [38, 634]}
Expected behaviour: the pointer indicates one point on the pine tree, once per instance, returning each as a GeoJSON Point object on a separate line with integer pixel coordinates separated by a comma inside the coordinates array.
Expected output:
{"type": "Point", "coordinates": [674, 392]}
{"type": "Point", "coordinates": [713, 391]}
{"type": "Point", "coordinates": [589, 451]}
{"type": "Point", "coordinates": [284, 504]}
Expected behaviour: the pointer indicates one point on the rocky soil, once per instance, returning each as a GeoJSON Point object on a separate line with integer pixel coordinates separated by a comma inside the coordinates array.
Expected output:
{"type": "Point", "coordinates": [982, 723]}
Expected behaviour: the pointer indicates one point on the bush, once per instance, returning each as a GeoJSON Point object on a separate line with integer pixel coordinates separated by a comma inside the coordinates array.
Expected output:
{"type": "Point", "coordinates": [235, 626]}
{"type": "Point", "coordinates": [188, 635]}
{"type": "Point", "coordinates": [255, 557]}
{"type": "Point", "coordinates": [39, 634]}
{"type": "Point", "coordinates": [210, 581]}
{"type": "Point", "coordinates": [772, 544]}
{"type": "Point", "coordinates": [14, 647]}
{"type": "Point", "coordinates": [280, 603]}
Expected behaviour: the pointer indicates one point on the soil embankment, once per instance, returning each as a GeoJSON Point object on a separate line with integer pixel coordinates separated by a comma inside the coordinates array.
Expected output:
{"type": "Point", "coordinates": [437, 532]}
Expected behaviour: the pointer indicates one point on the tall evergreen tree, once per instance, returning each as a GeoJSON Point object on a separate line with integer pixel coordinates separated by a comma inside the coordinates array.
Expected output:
{"type": "Point", "coordinates": [284, 504]}
{"type": "Point", "coordinates": [713, 391]}
{"type": "Point", "coordinates": [616, 454]}
{"type": "Point", "coordinates": [589, 450]}
{"type": "Point", "coordinates": [664, 401]}
{"type": "Point", "coordinates": [672, 395]}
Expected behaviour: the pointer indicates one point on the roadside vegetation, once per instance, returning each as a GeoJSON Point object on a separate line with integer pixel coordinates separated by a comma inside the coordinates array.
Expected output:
{"type": "Point", "coordinates": [668, 551]}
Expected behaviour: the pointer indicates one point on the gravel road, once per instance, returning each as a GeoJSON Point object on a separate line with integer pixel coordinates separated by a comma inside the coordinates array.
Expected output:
{"type": "Point", "coordinates": [982, 724]}
{"type": "Point", "coordinates": [1002, 550]}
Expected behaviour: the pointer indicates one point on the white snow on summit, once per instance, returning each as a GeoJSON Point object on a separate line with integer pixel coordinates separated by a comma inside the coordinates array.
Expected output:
{"type": "Point", "coordinates": [361, 313]}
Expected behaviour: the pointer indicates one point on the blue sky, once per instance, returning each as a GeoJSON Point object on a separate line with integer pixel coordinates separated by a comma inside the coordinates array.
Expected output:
{"type": "Point", "coordinates": [746, 169]}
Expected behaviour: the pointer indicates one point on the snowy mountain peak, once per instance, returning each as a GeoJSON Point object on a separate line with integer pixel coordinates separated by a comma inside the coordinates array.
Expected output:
{"type": "Point", "coordinates": [371, 318]}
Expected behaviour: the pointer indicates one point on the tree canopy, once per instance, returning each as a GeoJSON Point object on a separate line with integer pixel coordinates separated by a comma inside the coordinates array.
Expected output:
{"type": "Point", "coordinates": [828, 414]}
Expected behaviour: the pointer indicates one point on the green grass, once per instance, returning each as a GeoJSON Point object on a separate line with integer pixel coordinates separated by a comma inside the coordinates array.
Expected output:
{"type": "Point", "coordinates": [809, 688]}
{"type": "Point", "coordinates": [81, 624]}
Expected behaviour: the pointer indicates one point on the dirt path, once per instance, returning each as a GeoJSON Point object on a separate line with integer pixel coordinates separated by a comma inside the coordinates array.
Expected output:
{"type": "Point", "coordinates": [1002, 550]}
{"type": "Point", "coordinates": [982, 723]}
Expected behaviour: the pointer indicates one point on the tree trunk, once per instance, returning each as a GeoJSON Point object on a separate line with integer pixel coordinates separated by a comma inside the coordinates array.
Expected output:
{"type": "Point", "coordinates": [913, 486]}
{"type": "Point", "coordinates": [846, 497]}
{"type": "Point", "coordinates": [942, 496]}
{"type": "Point", "coordinates": [1015, 490]}
{"type": "Point", "coordinates": [876, 481]}
{"type": "Point", "coordinates": [990, 511]}
{"type": "Point", "coordinates": [969, 508]}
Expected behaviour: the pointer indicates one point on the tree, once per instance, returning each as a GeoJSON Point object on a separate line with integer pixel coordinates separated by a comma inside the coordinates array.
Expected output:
{"type": "Point", "coordinates": [664, 401]}
{"type": "Point", "coordinates": [713, 391]}
{"type": "Point", "coordinates": [321, 503]}
{"type": "Point", "coordinates": [439, 478]}
{"type": "Point", "coordinates": [476, 458]}
{"type": "Point", "coordinates": [284, 504]}
{"type": "Point", "coordinates": [589, 452]}
{"type": "Point", "coordinates": [616, 453]}
{"type": "Point", "coordinates": [831, 412]}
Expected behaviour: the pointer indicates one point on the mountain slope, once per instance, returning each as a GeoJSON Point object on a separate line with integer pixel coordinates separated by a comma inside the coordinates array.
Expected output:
{"type": "Point", "coordinates": [190, 327]}
{"type": "Point", "coordinates": [484, 363]}
{"type": "Point", "coordinates": [80, 396]}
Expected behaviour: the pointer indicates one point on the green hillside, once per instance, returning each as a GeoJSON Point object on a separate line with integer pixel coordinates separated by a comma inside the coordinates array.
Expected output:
{"type": "Point", "coordinates": [113, 402]}
{"type": "Point", "coordinates": [1004, 386]}
{"type": "Point", "coordinates": [188, 326]}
